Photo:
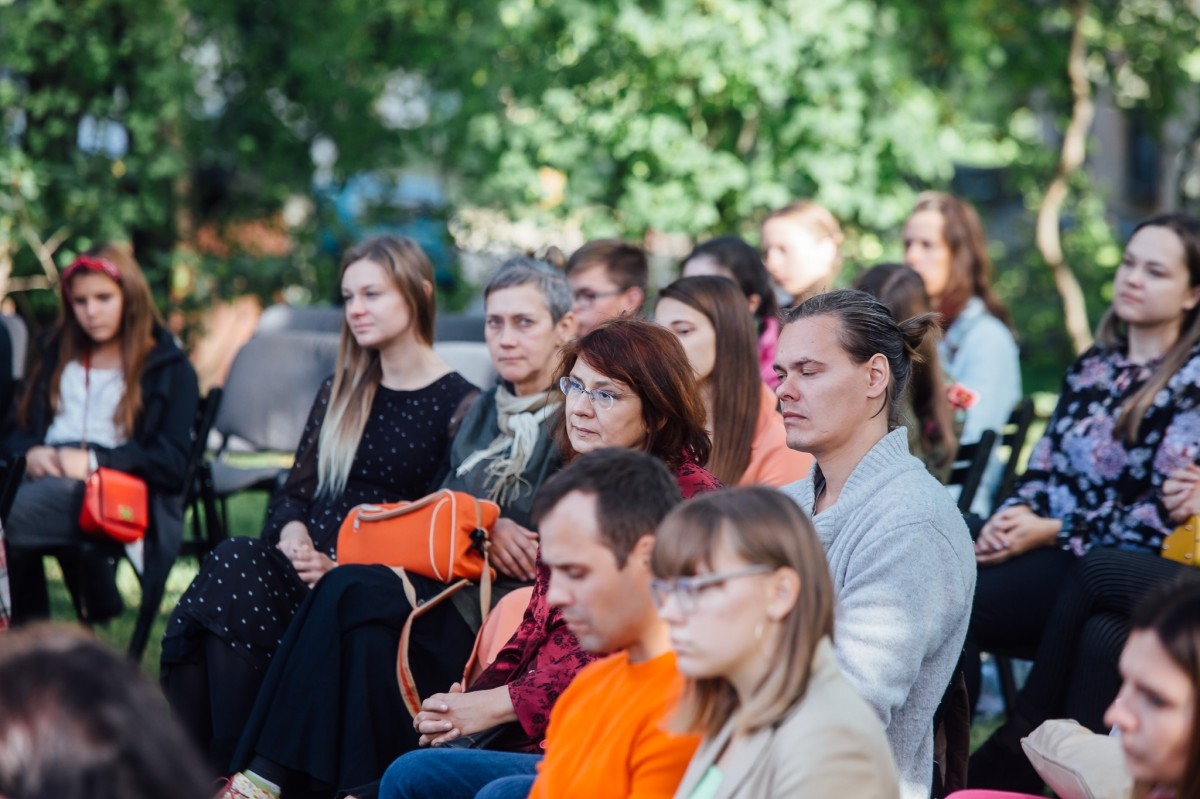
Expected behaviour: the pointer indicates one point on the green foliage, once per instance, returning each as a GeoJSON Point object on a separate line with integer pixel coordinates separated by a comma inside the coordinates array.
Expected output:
{"type": "Point", "coordinates": [111, 61]}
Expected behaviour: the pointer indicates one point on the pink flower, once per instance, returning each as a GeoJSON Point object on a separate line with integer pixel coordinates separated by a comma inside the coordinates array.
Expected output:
{"type": "Point", "coordinates": [961, 398]}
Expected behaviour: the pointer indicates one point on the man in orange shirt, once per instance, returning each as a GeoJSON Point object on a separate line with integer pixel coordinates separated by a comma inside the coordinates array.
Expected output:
{"type": "Point", "coordinates": [597, 519]}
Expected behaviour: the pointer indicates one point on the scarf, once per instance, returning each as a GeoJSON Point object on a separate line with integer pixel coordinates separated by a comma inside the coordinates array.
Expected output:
{"type": "Point", "coordinates": [520, 421]}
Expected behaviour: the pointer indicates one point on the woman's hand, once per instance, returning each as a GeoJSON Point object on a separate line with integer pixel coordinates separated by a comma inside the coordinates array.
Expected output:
{"type": "Point", "coordinates": [42, 461]}
{"type": "Point", "coordinates": [514, 549]}
{"type": "Point", "coordinates": [1181, 493]}
{"type": "Point", "coordinates": [447, 716]}
{"type": "Point", "coordinates": [1014, 531]}
{"type": "Point", "coordinates": [74, 462]}
{"type": "Point", "coordinates": [297, 545]}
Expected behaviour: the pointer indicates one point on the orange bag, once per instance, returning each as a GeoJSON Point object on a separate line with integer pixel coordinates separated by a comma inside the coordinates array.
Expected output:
{"type": "Point", "coordinates": [115, 505]}
{"type": "Point", "coordinates": [443, 536]}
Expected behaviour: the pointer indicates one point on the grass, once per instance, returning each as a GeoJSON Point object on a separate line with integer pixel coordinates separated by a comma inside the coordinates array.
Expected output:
{"type": "Point", "coordinates": [246, 513]}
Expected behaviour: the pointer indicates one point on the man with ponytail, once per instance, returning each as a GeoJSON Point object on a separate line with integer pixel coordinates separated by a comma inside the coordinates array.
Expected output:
{"type": "Point", "coordinates": [899, 551]}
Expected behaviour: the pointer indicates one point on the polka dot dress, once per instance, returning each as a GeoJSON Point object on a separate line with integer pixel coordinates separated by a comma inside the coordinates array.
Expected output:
{"type": "Point", "coordinates": [247, 591]}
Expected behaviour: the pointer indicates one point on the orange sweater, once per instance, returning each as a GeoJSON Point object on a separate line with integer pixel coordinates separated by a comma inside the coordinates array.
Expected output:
{"type": "Point", "coordinates": [606, 738]}
{"type": "Point", "coordinates": [771, 462]}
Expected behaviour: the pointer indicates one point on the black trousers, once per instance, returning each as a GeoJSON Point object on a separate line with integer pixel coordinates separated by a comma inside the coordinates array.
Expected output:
{"type": "Point", "coordinates": [1075, 670]}
{"type": "Point", "coordinates": [1013, 600]}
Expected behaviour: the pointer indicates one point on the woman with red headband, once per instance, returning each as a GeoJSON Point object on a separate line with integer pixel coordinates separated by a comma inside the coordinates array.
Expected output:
{"type": "Point", "coordinates": [112, 389]}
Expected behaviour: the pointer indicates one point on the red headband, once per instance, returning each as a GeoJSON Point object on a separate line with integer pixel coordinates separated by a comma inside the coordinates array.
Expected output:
{"type": "Point", "coordinates": [91, 263]}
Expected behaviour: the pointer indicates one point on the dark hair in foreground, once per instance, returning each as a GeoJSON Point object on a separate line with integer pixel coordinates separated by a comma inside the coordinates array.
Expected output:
{"type": "Point", "coordinates": [633, 492]}
{"type": "Point", "coordinates": [761, 526]}
{"type": "Point", "coordinates": [866, 328]}
{"type": "Point", "coordinates": [78, 721]}
{"type": "Point", "coordinates": [903, 292]}
{"type": "Point", "coordinates": [1113, 332]}
{"type": "Point", "coordinates": [650, 360]}
{"type": "Point", "coordinates": [1172, 612]}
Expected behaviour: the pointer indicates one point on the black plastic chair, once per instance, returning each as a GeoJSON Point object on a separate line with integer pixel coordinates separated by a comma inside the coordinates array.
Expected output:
{"type": "Point", "coordinates": [1013, 441]}
{"type": "Point", "coordinates": [966, 472]}
{"type": "Point", "coordinates": [205, 526]}
{"type": "Point", "coordinates": [266, 401]}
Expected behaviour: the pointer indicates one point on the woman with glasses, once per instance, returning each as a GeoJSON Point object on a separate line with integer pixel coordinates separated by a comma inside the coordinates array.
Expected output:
{"type": "Point", "coordinates": [709, 316]}
{"type": "Point", "coordinates": [743, 586]}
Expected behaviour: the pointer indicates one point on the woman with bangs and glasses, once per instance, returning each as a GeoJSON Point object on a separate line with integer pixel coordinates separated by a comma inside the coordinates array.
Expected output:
{"type": "Point", "coordinates": [708, 314]}
{"type": "Point", "coordinates": [112, 390]}
{"type": "Point", "coordinates": [744, 588]}
{"type": "Point", "coordinates": [378, 432]}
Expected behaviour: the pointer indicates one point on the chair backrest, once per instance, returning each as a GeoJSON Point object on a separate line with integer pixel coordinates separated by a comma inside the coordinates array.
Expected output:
{"type": "Point", "coordinates": [18, 333]}
{"type": "Point", "coordinates": [271, 386]}
{"type": "Point", "coordinates": [1013, 439]}
{"type": "Point", "coordinates": [470, 359]}
{"type": "Point", "coordinates": [11, 475]}
{"type": "Point", "coordinates": [970, 461]}
{"type": "Point", "coordinates": [283, 318]}
{"type": "Point", "coordinates": [457, 327]}
{"type": "Point", "coordinates": [202, 425]}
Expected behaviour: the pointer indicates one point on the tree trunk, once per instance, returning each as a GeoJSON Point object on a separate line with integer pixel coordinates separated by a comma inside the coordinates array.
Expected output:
{"type": "Point", "coordinates": [1074, 149]}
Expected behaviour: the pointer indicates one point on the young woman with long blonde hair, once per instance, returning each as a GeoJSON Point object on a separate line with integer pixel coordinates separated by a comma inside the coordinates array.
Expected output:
{"type": "Point", "coordinates": [378, 432]}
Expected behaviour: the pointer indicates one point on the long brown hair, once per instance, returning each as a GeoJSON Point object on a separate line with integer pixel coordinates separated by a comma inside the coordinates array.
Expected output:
{"type": "Point", "coordinates": [761, 526]}
{"type": "Point", "coordinates": [1172, 612]}
{"type": "Point", "coordinates": [970, 266]}
{"type": "Point", "coordinates": [735, 385]}
{"type": "Point", "coordinates": [139, 316]}
{"type": "Point", "coordinates": [358, 372]}
{"type": "Point", "coordinates": [1114, 333]}
{"type": "Point", "coordinates": [650, 360]}
{"type": "Point", "coordinates": [903, 292]}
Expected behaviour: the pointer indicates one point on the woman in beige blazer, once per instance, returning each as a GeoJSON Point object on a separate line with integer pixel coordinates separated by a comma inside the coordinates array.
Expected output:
{"type": "Point", "coordinates": [745, 591]}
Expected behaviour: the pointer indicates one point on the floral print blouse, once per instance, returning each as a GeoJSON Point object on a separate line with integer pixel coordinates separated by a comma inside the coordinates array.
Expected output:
{"type": "Point", "coordinates": [1106, 492]}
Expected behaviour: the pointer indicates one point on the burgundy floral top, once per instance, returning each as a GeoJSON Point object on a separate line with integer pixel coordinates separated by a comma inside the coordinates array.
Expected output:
{"type": "Point", "coordinates": [1108, 493]}
{"type": "Point", "coordinates": [542, 657]}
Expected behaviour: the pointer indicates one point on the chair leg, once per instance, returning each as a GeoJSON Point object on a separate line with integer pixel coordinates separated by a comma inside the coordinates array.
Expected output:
{"type": "Point", "coordinates": [1008, 683]}
{"type": "Point", "coordinates": [153, 589]}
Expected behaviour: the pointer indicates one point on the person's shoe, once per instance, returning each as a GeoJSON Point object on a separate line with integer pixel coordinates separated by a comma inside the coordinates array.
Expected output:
{"type": "Point", "coordinates": [1000, 763]}
{"type": "Point", "coordinates": [244, 786]}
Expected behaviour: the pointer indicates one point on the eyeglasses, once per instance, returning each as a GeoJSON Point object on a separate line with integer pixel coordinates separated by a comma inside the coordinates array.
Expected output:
{"type": "Point", "coordinates": [687, 590]}
{"type": "Point", "coordinates": [586, 298]}
{"type": "Point", "coordinates": [601, 398]}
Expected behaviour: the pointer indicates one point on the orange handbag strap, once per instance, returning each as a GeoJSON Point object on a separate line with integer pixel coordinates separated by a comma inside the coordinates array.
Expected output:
{"type": "Point", "coordinates": [408, 686]}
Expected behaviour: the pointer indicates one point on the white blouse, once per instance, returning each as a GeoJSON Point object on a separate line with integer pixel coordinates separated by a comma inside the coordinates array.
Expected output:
{"type": "Point", "coordinates": [100, 399]}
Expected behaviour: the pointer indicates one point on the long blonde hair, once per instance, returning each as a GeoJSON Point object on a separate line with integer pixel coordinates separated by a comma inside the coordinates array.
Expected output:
{"type": "Point", "coordinates": [762, 526]}
{"type": "Point", "coordinates": [358, 372]}
{"type": "Point", "coordinates": [138, 319]}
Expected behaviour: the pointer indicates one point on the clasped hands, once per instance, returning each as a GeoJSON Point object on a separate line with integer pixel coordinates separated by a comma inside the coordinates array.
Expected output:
{"type": "Point", "coordinates": [450, 715]}
{"type": "Point", "coordinates": [310, 564]}
{"type": "Point", "coordinates": [1014, 531]}
{"type": "Point", "coordinates": [44, 461]}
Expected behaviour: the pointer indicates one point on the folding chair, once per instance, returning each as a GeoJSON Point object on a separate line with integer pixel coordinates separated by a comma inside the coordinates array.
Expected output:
{"type": "Point", "coordinates": [970, 461]}
{"type": "Point", "coordinates": [199, 478]}
{"type": "Point", "coordinates": [266, 401]}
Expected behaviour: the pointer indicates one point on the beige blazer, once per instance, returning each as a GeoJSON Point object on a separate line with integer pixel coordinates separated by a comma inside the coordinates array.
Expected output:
{"type": "Point", "coordinates": [830, 745]}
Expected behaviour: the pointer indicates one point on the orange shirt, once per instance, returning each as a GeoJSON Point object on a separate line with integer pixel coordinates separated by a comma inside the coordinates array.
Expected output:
{"type": "Point", "coordinates": [606, 738]}
{"type": "Point", "coordinates": [771, 462]}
